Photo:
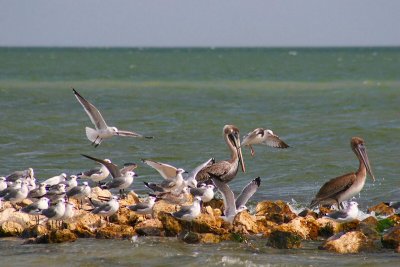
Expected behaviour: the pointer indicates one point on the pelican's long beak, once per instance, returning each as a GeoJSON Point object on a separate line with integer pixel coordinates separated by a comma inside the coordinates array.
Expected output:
{"type": "Point", "coordinates": [236, 142]}
{"type": "Point", "coordinates": [364, 157]}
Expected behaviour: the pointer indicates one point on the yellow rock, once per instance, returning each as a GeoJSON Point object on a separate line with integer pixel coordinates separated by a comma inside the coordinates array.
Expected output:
{"type": "Point", "coordinates": [351, 242]}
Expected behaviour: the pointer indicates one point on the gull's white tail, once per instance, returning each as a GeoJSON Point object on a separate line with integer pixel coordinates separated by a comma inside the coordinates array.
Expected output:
{"type": "Point", "coordinates": [92, 135]}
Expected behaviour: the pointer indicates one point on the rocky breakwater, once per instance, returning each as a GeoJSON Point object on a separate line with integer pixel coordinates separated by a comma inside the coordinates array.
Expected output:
{"type": "Point", "coordinates": [273, 221]}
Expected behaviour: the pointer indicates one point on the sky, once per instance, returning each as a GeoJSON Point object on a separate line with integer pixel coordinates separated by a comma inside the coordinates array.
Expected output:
{"type": "Point", "coordinates": [199, 23]}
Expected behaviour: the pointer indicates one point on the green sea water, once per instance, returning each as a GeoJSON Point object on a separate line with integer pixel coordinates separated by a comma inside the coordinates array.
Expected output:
{"type": "Point", "coordinates": [314, 99]}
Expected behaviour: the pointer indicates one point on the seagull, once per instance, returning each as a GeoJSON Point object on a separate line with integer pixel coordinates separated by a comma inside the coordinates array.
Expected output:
{"type": "Point", "coordinates": [102, 130]}
{"type": "Point", "coordinates": [264, 137]}
{"type": "Point", "coordinates": [106, 209]}
{"type": "Point", "coordinates": [172, 175]}
{"type": "Point", "coordinates": [55, 179]}
{"type": "Point", "coordinates": [37, 207]}
{"type": "Point", "coordinates": [350, 213]}
{"type": "Point", "coordinates": [189, 213]}
{"type": "Point", "coordinates": [12, 177]}
{"type": "Point", "coordinates": [38, 192]}
{"type": "Point", "coordinates": [80, 192]}
{"type": "Point", "coordinates": [55, 212]}
{"type": "Point", "coordinates": [69, 211]}
{"type": "Point", "coordinates": [3, 183]}
{"type": "Point", "coordinates": [190, 178]}
{"type": "Point", "coordinates": [71, 183]}
{"type": "Point", "coordinates": [97, 174]}
{"type": "Point", "coordinates": [234, 206]}
{"type": "Point", "coordinates": [15, 195]}
{"type": "Point", "coordinates": [144, 207]}
{"type": "Point", "coordinates": [56, 192]}
{"type": "Point", "coordinates": [122, 178]}
{"type": "Point", "coordinates": [206, 193]}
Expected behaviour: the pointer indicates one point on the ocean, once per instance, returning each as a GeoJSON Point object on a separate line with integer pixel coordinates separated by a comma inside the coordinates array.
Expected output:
{"type": "Point", "coordinates": [315, 99]}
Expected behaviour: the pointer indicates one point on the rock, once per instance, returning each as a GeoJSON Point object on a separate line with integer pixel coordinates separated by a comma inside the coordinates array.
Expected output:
{"type": "Point", "coordinates": [82, 231]}
{"type": "Point", "coordinates": [392, 238]}
{"type": "Point", "coordinates": [244, 223]}
{"type": "Point", "coordinates": [382, 209]}
{"type": "Point", "coordinates": [11, 229]}
{"type": "Point", "coordinates": [205, 223]}
{"type": "Point", "coordinates": [284, 240]}
{"type": "Point", "coordinates": [328, 227]}
{"type": "Point", "coordinates": [304, 227]}
{"type": "Point", "coordinates": [265, 226]}
{"type": "Point", "coordinates": [34, 231]}
{"type": "Point", "coordinates": [98, 192]}
{"type": "Point", "coordinates": [369, 228]}
{"type": "Point", "coordinates": [171, 225]}
{"type": "Point", "coordinates": [130, 199]}
{"type": "Point", "coordinates": [163, 206]}
{"type": "Point", "coordinates": [276, 211]}
{"type": "Point", "coordinates": [55, 236]}
{"type": "Point", "coordinates": [308, 212]}
{"type": "Point", "coordinates": [152, 227]}
{"type": "Point", "coordinates": [115, 231]}
{"type": "Point", "coordinates": [351, 242]}
{"type": "Point", "coordinates": [10, 215]}
{"type": "Point", "coordinates": [395, 219]}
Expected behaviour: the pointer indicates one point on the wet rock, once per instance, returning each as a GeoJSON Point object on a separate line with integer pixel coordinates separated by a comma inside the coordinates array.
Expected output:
{"type": "Point", "coordinates": [112, 231]}
{"type": "Point", "coordinates": [171, 225]}
{"type": "Point", "coordinates": [351, 242]}
{"type": "Point", "coordinates": [328, 227]}
{"type": "Point", "coordinates": [304, 227]}
{"type": "Point", "coordinates": [244, 223]}
{"type": "Point", "coordinates": [369, 228]}
{"type": "Point", "coordinates": [276, 211]}
{"type": "Point", "coordinates": [82, 231]}
{"type": "Point", "coordinates": [11, 229]}
{"type": "Point", "coordinates": [55, 236]}
{"type": "Point", "coordinates": [382, 209]}
{"type": "Point", "coordinates": [392, 238]}
{"type": "Point", "coordinates": [308, 212]}
{"type": "Point", "coordinates": [395, 218]}
{"type": "Point", "coordinates": [265, 226]}
{"type": "Point", "coordinates": [284, 240]}
{"type": "Point", "coordinates": [34, 231]}
{"type": "Point", "coordinates": [152, 227]}
{"type": "Point", "coordinates": [205, 223]}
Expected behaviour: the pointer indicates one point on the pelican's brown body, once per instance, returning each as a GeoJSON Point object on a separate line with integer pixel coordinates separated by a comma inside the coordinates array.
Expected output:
{"type": "Point", "coordinates": [346, 186]}
{"type": "Point", "coordinates": [226, 170]}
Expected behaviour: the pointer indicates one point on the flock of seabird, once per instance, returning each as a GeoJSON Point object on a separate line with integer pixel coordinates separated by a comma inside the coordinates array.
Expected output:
{"type": "Point", "coordinates": [51, 197]}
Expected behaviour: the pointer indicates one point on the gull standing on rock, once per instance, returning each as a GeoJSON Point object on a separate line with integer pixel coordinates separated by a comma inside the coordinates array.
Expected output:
{"type": "Point", "coordinates": [3, 183]}
{"type": "Point", "coordinates": [16, 195]}
{"type": "Point", "coordinates": [97, 174]}
{"type": "Point", "coordinates": [189, 213]}
{"type": "Point", "coordinates": [350, 213]}
{"type": "Point", "coordinates": [233, 206]}
{"type": "Point", "coordinates": [264, 137]}
{"type": "Point", "coordinates": [12, 177]}
{"type": "Point", "coordinates": [56, 192]}
{"type": "Point", "coordinates": [122, 178]}
{"type": "Point", "coordinates": [106, 209]}
{"type": "Point", "coordinates": [38, 192]}
{"type": "Point", "coordinates": [55, 212]}
{"type": "Point", "coordinates": [55, 179]}
{"type": "Point", "coordinates": [344, 187]}
{"type": "Point", "coordinates": [80, 192]}
{"type": "Point", "coordinates": [37, 207]}
{"type": "Point", "coordinates": [102, 130]}
{"type": "Point", "coordinates": [144, 208]}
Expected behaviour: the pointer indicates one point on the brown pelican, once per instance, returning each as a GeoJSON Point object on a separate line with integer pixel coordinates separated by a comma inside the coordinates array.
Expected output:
{"type": "Point", "coordinates": [226, 170]}
{"type": "Point", "coordinates": [264, 137]}
{"type": "Point", "coordinates": [346, 186]}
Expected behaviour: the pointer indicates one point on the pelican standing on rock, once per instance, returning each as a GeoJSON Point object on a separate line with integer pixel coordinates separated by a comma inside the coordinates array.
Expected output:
{"type": "Point", "coordinates": [264, 137]}
{"type": "Point", "coordinates": [226, 170]}
{"type": "Point", "coordinates": [344, 187]}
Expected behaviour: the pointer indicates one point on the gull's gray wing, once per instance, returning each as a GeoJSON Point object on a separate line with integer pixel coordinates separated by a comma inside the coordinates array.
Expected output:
{"type": "Point", "coordinates": [139, 206]}
{"type": "Point", "coordinates": [114, 183]}
{"type": "Point", "coordinates": [103, 208]}
{"type": "Point", "coordinates": [115, 172]}
{"type": "Point", "coordinates": [247, 192]}
{"type": "Point", "coordinates": [92, 171]}
{"type": "Point", "coordinates": [195, 171]}
{"type": "Point", "coordinates": [50, 212]}
{"type": "Point", "coordinates": [128, 133]}
{"type": "Point", "coordinates": [272, 140]}
{"type": "Point", "coordinates": [74, 191]}
{"type": "Point", "coordinates": [93, 113]}
{"type": "Point", "coordinates": [340, 214]}
{"type": "Point", "coordinates": [128, 167]}
{"type": "Point", "coordinates": [227, 195]}
{"type": "Point", "coordinates": [197, 191]}
{"type": "Point", "coordinates": [167, 171]}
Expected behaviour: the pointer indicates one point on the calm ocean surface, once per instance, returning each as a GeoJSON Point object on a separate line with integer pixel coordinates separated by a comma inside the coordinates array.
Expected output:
{"type": "Point", "coordinates": [314, 99]}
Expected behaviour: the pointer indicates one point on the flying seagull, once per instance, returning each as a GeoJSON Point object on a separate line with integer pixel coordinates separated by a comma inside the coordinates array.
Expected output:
{"type": "Point", "coordinates": [102, 130]}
